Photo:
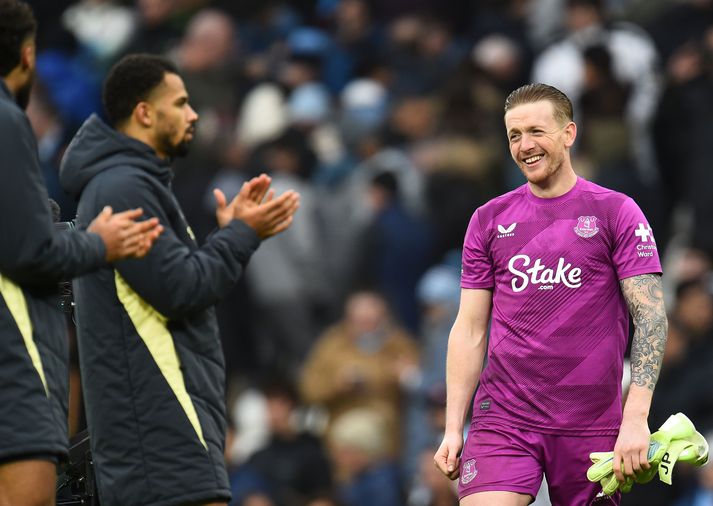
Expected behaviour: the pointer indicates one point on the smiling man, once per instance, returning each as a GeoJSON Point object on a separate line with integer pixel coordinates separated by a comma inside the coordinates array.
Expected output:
{"type": "Point", "coordinates": [150, 355]}
{"type": "Point", "coordinates": [555, 267]}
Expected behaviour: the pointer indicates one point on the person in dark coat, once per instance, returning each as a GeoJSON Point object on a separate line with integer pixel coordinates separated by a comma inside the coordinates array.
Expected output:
{"type": "Point", "coordinates": [149, 350]}
{"type": "Point", "coordinates": [294, 461]}
{"type": "Point", "coordinates": [34, 257]}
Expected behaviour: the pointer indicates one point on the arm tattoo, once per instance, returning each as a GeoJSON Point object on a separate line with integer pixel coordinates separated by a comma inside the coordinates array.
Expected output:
{"type": "Point", "coordinates": [644, 296]}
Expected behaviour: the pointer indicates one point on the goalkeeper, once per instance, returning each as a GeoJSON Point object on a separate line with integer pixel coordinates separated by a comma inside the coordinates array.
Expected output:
{"type": "Point", "coordinates": [550, 274]}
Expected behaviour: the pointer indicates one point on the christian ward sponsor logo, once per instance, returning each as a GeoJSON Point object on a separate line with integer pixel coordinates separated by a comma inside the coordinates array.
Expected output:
{"type": "Point", "coordinates": [539, 274]}
{"type": "Point", "coordinates": [469, 472]}
{"type": "Point", "coordinates": [508, 231]}
{"type": "Point", "coordinates": [647, 245]}
{"type": "Point", "coordinates": [586, 226]}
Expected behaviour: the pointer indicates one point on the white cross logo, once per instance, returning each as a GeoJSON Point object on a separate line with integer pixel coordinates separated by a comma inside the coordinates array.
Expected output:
{"type": "Point", "coordinates": [644, 232]}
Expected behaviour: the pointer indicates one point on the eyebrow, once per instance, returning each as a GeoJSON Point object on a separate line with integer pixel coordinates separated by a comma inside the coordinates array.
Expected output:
{"type": "Point", "coordinates": [529, 129]}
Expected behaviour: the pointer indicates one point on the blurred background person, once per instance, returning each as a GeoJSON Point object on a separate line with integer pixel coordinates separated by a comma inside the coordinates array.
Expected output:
{"type": "Point", "coordinates": [365, 472]}
{"type": "Point", "coordinates": [364, 361]}
{"type": "Point", "coordinates": [293, 460]}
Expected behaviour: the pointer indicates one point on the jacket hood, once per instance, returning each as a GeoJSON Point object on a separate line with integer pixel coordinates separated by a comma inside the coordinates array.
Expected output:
{"type": "Point", "coordinates": [98, 147]}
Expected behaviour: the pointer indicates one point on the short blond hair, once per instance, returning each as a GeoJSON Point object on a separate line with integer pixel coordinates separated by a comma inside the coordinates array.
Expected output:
{"type": "Point", "coordinates": [362, 429]}
{"type": "Point", "coordinates": [536, 92]}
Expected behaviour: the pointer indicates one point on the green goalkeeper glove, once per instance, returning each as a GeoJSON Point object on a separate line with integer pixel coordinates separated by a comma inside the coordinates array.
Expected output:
{"type": "Point", "coordinates": [693, 450]}
{"type": "Point", "coordinates": [675, 440]}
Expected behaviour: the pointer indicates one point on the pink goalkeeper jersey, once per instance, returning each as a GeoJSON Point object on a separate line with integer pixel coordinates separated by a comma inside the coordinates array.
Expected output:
{"type": "Point", "coordinates": [560, 325]}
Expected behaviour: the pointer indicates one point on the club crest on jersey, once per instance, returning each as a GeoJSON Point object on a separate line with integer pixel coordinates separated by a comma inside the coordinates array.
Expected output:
{"type": "Point", "coordinates": [468, 472]}
{"type": "Point", "coordinates": [586, 226]}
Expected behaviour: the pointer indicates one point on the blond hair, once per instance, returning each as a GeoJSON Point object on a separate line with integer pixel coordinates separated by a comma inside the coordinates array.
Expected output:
{"type": "Point", "coordinates": [537, 92]}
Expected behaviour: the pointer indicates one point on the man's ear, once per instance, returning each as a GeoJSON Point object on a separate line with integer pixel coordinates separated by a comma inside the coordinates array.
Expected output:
{"type": "Point", "coordinates": [144, 114]}
{"type": "Point", "coordinates": [570, 134]}
{"type": "Point", "coordinates": [27, 55]}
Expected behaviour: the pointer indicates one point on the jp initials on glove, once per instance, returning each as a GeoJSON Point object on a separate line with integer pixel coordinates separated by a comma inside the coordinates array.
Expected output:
{"type": "Point", "coordinates": [676, 441]}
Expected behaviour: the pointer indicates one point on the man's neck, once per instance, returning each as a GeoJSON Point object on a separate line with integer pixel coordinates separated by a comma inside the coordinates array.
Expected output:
{"type": "Point", "coordinates": [131, 130]}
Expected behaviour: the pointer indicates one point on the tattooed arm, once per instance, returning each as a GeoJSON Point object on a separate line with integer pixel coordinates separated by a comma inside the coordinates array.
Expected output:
{"type": "Point", "coordinates": [644, 297]}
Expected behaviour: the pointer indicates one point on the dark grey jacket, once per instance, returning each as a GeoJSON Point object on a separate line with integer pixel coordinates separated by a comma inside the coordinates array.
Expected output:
{"type": "Point", "coordinates": [150, 354]}
{"type": "Point", "coordinates": [33, 258]}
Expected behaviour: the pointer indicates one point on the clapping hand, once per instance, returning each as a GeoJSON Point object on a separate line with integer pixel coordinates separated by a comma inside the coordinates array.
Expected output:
{"type": "Point", "coordinates": [257, 206]}
{"type": "Point", "coordinates": [123, 236]}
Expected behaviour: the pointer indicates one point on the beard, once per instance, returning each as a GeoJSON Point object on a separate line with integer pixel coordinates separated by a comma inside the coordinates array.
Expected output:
{"type": "Point", "coordinates": [542, 176]}
{"type": "Point", "coordinates": [178, 150]}
{"type": "Point", "coordinates": [165, 139]}
{"type": "Point", "coordinates": [173, 149]}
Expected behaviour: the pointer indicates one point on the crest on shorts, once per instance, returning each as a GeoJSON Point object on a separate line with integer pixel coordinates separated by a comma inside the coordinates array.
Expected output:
{"type": "Point", "coordinates": [586, 226]}
{"type": "Point", "coordinates": [468, 472]}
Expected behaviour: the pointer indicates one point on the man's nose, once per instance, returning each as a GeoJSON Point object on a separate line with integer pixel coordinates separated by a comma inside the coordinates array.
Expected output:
{"type": "Point", "coordinates": [526, 142]}
{"type": "Point", "coordinates": [192, 115]}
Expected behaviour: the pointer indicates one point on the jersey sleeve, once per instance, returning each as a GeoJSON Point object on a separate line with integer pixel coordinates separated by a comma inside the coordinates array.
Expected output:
{"type": "Point", "coordinates": [477, 267]}
{"type": "Point", "coordinates": [635, 249]}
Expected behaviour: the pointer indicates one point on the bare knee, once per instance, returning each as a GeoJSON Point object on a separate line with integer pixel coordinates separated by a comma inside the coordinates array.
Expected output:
{"type": "Point", "coordinates": [28, 483]}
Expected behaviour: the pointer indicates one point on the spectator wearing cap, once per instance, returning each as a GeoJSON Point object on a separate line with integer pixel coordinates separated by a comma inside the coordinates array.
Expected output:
{"type": "Point", "coordinates": [358, 444]}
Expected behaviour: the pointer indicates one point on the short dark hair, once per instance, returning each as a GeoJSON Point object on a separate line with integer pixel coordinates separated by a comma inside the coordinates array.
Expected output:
{"type": "Point", "coordinates": [16, 24]}
{"type": "Point", "coordinates": [598, 5]}
{"type": "Point", "coordinates": [536, 92]}
{"type": "Point", "coordinates": [387, 181]}
{"type": "Point", "coordinates": [130, 81]}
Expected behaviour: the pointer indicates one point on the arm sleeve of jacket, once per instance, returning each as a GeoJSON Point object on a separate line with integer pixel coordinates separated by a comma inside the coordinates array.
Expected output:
{"type": "Point", "coordinates": [175, 278]}
{"type": "Point", "coordinates": [33, 250]}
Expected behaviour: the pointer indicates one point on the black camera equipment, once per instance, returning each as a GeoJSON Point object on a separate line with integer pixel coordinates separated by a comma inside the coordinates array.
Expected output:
{"type": "Point", "coordinates": [66, 301]}
{"type": "Point", "coordinates": [75, 477]}
{"type": "Point", "coordinates": [75, 480]}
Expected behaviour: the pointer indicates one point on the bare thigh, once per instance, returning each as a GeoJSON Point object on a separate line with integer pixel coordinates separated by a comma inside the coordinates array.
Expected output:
{"type": "Point", "coordinates": [496, 499]}
{"type": "Point", "coordinates": [28, 483]}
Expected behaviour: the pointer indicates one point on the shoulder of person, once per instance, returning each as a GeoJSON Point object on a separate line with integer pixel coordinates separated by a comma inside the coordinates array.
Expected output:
{"type": "Point", "coordinates": [494, 205]}
{"type": "Point", "coordinates": [12, 118]}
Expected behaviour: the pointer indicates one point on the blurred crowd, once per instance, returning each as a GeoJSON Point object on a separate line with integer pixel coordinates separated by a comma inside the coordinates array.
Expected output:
{"type": "Point", "coordinates": [387, 117]}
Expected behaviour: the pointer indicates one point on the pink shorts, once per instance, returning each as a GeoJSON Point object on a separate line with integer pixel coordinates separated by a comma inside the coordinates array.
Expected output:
{"type": "Point", "coordinates": [500, 458]}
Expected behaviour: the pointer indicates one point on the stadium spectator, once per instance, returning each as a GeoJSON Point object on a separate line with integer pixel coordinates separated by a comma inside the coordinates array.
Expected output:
{"type": "Point", "coordinates": [362, 362]}
{"type": "Point", "coordinates": [395, 250]}
{"type": "Point", "coordinates": [293, 461]}
{"type": "Point", "coordinates": [634, 62]}
{"type": "Point", "coordinates": [366, 473]}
